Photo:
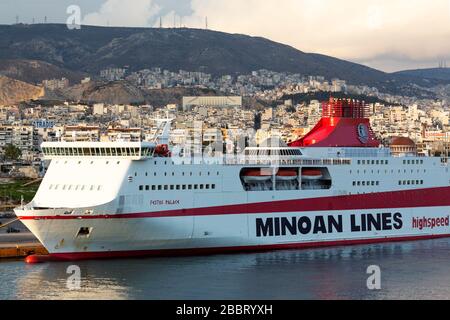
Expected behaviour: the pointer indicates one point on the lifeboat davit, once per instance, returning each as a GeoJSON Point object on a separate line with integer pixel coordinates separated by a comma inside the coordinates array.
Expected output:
{"type": "Point", "coordinates": [312, 175]}
{"type": "Point", "coordinates": [257, 176]}
{"type": "Point", "coordinates": [287, 175]}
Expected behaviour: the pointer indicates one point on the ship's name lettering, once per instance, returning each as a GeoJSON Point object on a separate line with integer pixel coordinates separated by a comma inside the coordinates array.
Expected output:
{"type": "Point", "coordinates": [164, 202]}
{"type": "Point", "coordinates": [282, 226]}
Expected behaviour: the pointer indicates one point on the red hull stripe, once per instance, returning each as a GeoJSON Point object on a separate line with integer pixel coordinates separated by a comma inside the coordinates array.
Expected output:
{"type": "Point", "coordinates": [208, 251]}
{"type": "Point", "coordinates": [433, 197]}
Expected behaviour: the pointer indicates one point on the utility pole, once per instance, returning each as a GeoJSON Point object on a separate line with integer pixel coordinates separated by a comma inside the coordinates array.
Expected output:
{"type": "Point", "coordinates": [160, 22]}
{"type": "Point", "coordinates": [206, 23]}
{"type": "Point", "coordinates": [17, 19]}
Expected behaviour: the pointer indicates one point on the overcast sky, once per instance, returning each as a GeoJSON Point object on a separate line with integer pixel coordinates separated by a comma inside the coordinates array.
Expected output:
{"type": "Point", "coordinates": [385, 34]}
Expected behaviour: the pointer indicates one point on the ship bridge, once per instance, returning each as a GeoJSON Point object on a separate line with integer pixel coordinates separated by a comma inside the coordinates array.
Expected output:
{"type": "Point", "coordinates": [129, 150]}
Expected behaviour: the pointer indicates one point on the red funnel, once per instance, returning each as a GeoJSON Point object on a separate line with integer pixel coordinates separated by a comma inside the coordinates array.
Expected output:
{"type": "Point", "coordinates": [344, 123]}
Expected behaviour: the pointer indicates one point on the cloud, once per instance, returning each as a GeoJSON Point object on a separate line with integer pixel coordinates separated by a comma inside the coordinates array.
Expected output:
{"type": "Point", "coordinates": [359, 30]}
{"type": "Point", "coordinates": [135, 13]}
{"type": "Point", "coordinates": [373, 32]}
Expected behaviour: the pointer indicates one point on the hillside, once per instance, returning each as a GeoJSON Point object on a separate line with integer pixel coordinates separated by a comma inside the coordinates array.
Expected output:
{"type": "Point", "coordinates": [33, 71]}
{"type": "Point", "coordinates": [14, 91]}
{"type": "Point", "coordinates": [122, 92]}
{"type": "Point", "coordinates": [92, 49]}
{"type": "Point", "coordinates": [433, 73]}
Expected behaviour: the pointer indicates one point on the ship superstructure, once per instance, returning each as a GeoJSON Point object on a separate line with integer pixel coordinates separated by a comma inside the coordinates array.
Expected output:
{"type": "Point", "coordinates": [335, 186]}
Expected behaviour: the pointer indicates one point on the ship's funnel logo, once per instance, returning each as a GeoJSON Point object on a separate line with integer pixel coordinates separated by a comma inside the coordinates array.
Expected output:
{"type": "Point", "coordinates": [363, 133]}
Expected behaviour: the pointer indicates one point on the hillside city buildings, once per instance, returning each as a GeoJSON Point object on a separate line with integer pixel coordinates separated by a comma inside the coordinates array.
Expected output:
{"type": "Point", "coordinates": [225, 118]}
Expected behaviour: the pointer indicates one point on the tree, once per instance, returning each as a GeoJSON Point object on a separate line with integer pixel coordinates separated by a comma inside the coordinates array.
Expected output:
{"type": "Point", "coordinates": [12, 153]}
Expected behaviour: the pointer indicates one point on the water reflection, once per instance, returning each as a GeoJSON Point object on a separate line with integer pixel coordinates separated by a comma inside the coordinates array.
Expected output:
{"type": "Point", "coordinates": [409, 271]}
{"type": "Point", "coordinates": [49, 281]}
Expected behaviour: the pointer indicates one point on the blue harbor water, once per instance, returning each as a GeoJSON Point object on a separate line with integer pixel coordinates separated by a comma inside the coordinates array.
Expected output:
{"type": "Point", "coordinates": [413, 270]}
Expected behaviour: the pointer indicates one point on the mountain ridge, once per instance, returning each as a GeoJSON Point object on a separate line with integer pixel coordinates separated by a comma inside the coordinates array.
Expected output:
{"type": "Point", "coordinates": [428, 73]}
{"type": "Point", "coordinates": [91, 49]}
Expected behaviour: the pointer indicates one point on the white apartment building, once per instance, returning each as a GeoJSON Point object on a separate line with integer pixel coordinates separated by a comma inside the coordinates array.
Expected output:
{"type": "Point", "coordinates": [21, 136]}
{"type": "Point", "coordinates": [81, 133]}
{"type": "Point", "coordinates": [212, 101]}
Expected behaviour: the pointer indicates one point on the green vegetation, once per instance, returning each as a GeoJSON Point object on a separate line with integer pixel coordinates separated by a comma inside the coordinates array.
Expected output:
{"type": "Point", "coordinates": [12, 152]}
{"type": "Point", "coordinates": [11, 192]}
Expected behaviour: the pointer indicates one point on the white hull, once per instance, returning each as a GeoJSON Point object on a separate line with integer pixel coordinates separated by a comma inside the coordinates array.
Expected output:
{"type": "Point", "coordinates": [236, 231]}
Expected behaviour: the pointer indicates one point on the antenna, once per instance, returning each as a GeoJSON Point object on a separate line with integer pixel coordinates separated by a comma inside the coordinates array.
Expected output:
{"type": "Point", "coordinates": [17, 19]}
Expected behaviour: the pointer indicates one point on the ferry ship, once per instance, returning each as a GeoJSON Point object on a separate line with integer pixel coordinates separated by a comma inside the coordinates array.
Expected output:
{"type": "Point", "coordinates": [336, 186]}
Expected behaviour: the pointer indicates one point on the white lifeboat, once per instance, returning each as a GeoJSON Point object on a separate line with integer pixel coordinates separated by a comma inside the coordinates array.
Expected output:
{"type": "Point", "coordinates": [287, 175]}
{"type": "Point", "coordinates": [311, 174]}
{"type": "Point", "coordinates": [257, 175]}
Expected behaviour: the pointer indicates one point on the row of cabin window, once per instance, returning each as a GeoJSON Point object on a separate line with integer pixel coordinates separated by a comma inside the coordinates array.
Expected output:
{"type": "Point", "coordinates": [178, 187]}
{"type": "Point", "coordinates": [410, 182]}
{"type": "Point", "coordinates": [173, 174]}
{"type": "Point", "coordinates": [412, 161]}
{"type": "Point", "coordinates": [75, 187]}
{"type": "Point", "coordinates": [386, 171]}
{"type": "Point", "coordinates": [373, 162]}
{"type": "Point", "coordinates": [273, 153]}
{"type": "Point", "coordinates": [108, 152]}
{"type": "Point", "coordinates": [81, 162]}
{"type": "Point", "coordinates": [366, 183]}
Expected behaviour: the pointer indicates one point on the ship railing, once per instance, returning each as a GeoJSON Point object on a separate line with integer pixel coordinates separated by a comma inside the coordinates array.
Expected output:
{"type": "Point", "coordinates": [260, 161]}
{"type": "Point", "coordinates": [287, 162]}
